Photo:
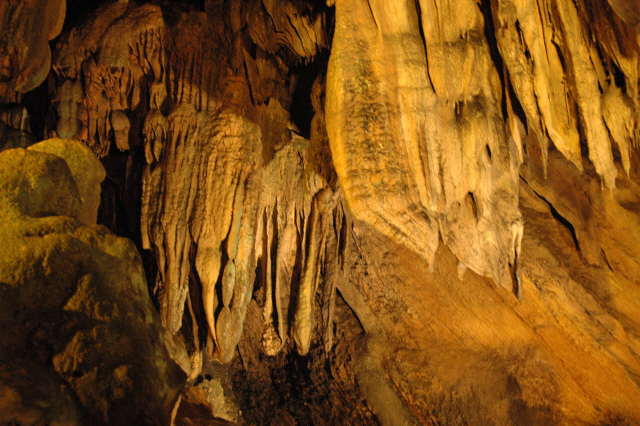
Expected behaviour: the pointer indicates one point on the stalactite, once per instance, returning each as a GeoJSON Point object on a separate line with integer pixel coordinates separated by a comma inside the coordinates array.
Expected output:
{"type": "Point", "coordinates": [392, 142]}
{"type": "Point", "coordinates": [560, 56]}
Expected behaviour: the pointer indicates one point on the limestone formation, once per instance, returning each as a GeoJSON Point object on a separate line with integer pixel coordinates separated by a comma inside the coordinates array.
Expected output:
{"type": "Point", "coordinates": [25, 30]}
{"type": "Point", "coordinates": [80, 342]}
{"type": "Point", "coordinates": [288, 171]}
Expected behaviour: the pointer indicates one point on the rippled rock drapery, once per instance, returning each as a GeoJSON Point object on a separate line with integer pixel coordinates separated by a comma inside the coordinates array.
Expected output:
{"type": "Point", "coordinates": [416, 131]}
{"type": "Point", "coordinates": [227, 189]}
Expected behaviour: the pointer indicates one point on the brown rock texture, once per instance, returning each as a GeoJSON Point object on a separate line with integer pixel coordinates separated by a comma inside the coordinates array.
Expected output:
{"type": "Point", "coordinates": [25, 30]}
{"type": "Point", "coordinates": [80, 342]}
{"type": "Point", "coordinates": [289, 170]}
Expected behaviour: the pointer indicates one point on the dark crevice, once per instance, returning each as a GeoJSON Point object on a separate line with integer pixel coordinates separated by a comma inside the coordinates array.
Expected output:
{"type": "Point", "coordinates": [420, 27]}
{"type": "Point", "coordinates": [274, 270]}
{"type": "Point", "coordinates": [563, 62]}
{"type": "Point", "coordinates": [496, 57]}
{"type": "Point", "coordinates": [564, 223]}
{"type": "Point", "coordinates": [197, 302]}
{"type": "Point", "coordinates": [224, 259]}
{"type": "Point", "coordinates": [37, 103]}
{"type": "Point", "coordinates": [618, 77]}
{"type": "Point", "coordinates": [78, 10]}
{"type": "Point", "coordinates": [303, 76]}
{"type": "Point", "coordinates": [527, 53]}
{"type": "Point", "coordinates": [561, 219]}
{"type": "Point", "coordinates": [471, 202]}
{"type": "Point", "coordinates": [424, 39]}
{"type": "Point", "coordinates": [606, 261]}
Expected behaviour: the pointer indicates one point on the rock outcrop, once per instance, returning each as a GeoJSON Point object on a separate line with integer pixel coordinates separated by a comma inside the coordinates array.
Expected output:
{"type": "Point", "coordinates": [80, 341]}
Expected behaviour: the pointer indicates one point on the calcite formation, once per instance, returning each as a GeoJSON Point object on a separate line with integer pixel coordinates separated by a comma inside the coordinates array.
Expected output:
{"type": "Point", "coordinates": [505, 129]}
{"type": "Point", "coordinates": [417, 134]}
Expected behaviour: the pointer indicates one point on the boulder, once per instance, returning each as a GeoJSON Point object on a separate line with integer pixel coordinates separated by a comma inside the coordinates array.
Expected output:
{"type": "Point", "coordinates": [74, 304]}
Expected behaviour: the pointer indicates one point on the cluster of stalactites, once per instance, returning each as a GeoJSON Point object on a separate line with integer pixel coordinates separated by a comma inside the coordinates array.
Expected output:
{"type": "Point", "coordinates": [275, 24]}
{"type": "Point", "coordinates": [209, 212]}
{"type": "Point", "coordinates": [109, 71]}
{"type": "Point", "coordinates": [218, 204]}
{"type": "Point", "coordinates": [303, 250]}
{"type": "Point", "coordinates": [574, 69]}
{"type": "Point", "coordinates": [416, 131]}
{"type": "Point", "coordinates": [124, 62]}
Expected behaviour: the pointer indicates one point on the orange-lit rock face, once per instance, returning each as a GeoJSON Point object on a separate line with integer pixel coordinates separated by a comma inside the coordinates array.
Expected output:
{"type": "Point", "coordinates": [25, 30]}
{"type": "Point", "coordinates": [416, 131]}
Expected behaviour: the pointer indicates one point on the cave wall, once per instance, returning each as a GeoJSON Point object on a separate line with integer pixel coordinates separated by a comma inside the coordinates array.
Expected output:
{"type": "Point", "coordinates": [270, 157]}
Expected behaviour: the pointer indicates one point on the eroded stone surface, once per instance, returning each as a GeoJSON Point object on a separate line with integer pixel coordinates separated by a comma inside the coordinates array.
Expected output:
{"type": "Point", "coordinates": [74, 304]}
